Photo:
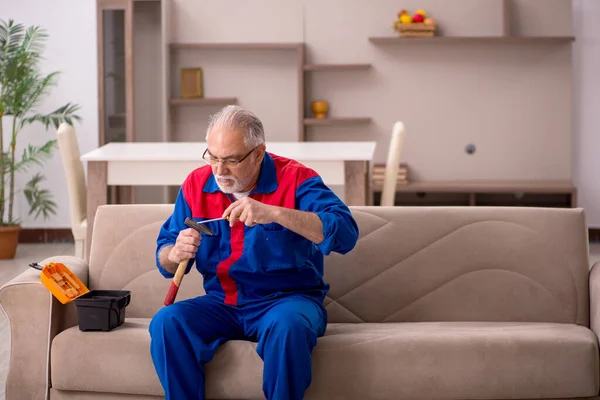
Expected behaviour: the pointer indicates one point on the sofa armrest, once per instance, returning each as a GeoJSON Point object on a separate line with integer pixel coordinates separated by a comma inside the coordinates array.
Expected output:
{"type": "Point", "coordinates": [595, 298]}
{"type": "Point", "coordinates": [35, 317]}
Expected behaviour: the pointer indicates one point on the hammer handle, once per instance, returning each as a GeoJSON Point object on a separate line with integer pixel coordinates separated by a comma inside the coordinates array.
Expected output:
{"type": "Point", "coordinates": [172, 293]}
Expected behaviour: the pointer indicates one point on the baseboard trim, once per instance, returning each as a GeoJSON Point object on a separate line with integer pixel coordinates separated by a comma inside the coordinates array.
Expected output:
{"type": "Point", "coordinates": [46, 235]}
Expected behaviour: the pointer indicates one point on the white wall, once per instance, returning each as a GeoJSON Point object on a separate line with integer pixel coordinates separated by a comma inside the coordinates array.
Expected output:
{"type": "Point", "coordinates": [513, 101]}
{"type": "Point", "coordinates": [71, 49]}
{"type": "Point", "coordinates": [263, 81]}
{"type": "Point", "coordinates": [586, 145]}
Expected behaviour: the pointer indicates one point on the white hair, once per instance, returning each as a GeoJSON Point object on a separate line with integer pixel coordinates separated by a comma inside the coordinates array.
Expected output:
{"type": "Point", "coordinates": [235, 117]}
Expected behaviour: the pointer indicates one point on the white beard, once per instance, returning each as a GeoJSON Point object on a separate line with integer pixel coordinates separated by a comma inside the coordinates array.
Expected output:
{"type": "Point", "coordinates": [235, 188]}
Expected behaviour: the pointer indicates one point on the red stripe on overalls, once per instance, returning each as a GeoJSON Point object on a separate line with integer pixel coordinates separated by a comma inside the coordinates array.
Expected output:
{"type": "Point", "coordinates": [237, 248]}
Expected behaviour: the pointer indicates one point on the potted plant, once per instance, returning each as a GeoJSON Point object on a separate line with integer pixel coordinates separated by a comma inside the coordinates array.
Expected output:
{"type": "Point", "coordinates": [22, 87]}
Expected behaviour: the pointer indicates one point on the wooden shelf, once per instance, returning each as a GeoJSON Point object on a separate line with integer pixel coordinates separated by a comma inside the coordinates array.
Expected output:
{"type": "Point", "coordinates": [236, 46]}
{"type": "Point", "coordinates": [336, 121]}
{"type": "Point", "coordinates": [472, 39]}
{"type": "Point", "coordinates": [491, 186]}
{"type": "Point", "coordinates": [485, 193]}
{"type": "Point", "coordinates": [336, 67]}
{"type": "Point", "coordinates": [204, 101]}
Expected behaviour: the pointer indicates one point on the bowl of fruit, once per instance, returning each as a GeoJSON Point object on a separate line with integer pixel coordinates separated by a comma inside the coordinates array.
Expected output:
{"type": "Point", "coordinates": [417, 25]}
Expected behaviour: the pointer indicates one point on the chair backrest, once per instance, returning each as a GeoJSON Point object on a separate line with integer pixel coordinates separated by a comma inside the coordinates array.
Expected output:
{"type": "Point", "coordinates": [410, 264]}
{"type": "Point", "coordinates": [388, 192]}
{"type": "Point", "coordinates": [69, 152]}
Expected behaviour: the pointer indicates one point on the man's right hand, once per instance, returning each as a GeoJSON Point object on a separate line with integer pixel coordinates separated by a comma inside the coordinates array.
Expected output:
{"type": "Point", "coordinates": [185, 246]}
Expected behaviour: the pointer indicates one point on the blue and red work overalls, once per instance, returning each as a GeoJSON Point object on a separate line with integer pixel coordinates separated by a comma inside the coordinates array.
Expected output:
{"type": "Point", "coordinates": [263, 283]}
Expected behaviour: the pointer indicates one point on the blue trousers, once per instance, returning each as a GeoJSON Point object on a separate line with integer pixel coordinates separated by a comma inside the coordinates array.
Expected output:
{"type": "Point", "coordinates": [186, 335]}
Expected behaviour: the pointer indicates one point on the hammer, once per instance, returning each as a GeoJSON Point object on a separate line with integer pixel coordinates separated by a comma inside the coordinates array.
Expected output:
{"type": "Point", "coordinates": [183, 264]}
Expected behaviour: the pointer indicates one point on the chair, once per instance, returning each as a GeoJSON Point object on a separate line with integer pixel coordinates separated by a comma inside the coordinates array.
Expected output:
{"type": "Point", "coordinates": [69, 151]}
{"type": "Point", "coordinates": [388, 192]}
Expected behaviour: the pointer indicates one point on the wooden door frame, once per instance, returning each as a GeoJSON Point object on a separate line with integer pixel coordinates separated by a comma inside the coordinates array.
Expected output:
{"type": "Point", "coordinates": [127, 6]}
{"type": "Point", "coordinates": [121, 194]}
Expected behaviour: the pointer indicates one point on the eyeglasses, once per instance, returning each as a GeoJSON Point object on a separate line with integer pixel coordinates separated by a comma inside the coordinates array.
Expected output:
{"type": "Point", "coordinates": [230, 163]}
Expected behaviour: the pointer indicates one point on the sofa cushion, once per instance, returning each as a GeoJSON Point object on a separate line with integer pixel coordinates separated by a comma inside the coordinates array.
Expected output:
{"type": "Point", "coordinates": [377, 361]}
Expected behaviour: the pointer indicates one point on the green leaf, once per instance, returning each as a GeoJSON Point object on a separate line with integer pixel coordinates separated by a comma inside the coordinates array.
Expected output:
{"type": "Point", "coordinates": [40, 200]}
{"type": "Point", "coordinates": [62, 114]}
{"type": "Point", "coordinates": [34, 37]}
{"type": "Point", "coordinates": [11, 36]}
{"type": "Point", "coordinates": [5, 164]}
{"type": "Point", "coordinates": [35, 155]}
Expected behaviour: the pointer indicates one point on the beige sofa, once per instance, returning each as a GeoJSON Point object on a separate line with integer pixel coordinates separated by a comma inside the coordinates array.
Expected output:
{"type": "Point", "coordinates": [437, 303]}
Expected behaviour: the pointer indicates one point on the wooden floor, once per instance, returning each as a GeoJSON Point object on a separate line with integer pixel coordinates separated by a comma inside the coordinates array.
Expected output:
{"type": "Point", "coordinates": [28, 253]}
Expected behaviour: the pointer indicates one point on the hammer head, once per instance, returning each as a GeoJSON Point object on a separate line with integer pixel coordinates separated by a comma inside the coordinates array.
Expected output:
{"type": "Point", "coordinates": [199, 227]}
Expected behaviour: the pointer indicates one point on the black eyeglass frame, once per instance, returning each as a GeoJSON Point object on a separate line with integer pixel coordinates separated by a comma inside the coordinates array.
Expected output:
{"type": "Point", "coordinates": [229, 163]}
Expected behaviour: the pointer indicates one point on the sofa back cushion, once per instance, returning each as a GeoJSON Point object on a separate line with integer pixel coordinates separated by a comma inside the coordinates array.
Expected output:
{"type": "Point", "coordinates": [463, 264]}
{"type": "Point", "coordinates": [122, 256]}
{"type": "Point", "coordinates": [410, 264]}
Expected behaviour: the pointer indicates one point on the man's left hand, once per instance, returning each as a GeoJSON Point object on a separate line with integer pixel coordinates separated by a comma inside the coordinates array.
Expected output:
{"type": "Point", "coordinates": [250, 212]}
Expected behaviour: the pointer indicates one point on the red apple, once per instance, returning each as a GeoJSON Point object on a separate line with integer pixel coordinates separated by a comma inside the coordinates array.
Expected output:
{"type": "Point", "coordinates": [417, 18]}
{"type": "Point", "coordinates": [402, 12]}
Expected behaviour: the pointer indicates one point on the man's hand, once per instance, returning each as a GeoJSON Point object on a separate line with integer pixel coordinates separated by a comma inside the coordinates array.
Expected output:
{"type": "Point", "coordinates": [185, 246]}
{"type": "Point", "coordinates": [250, 212]}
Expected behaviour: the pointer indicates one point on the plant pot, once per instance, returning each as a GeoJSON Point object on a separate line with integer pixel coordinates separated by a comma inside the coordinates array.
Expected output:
{"type": "Point", "coordinates": [9, 237]}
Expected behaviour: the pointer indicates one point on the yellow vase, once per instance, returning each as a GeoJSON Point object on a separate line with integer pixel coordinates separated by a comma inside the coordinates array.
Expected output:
{"type": "Point", "coordinates": [320, 109]}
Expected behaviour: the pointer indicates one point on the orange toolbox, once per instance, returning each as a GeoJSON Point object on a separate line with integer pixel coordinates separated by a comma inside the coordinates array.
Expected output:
{"type": "Point", "coordinates": [97, 310]}
{"type": "Point", "coordinates": [61, 282]}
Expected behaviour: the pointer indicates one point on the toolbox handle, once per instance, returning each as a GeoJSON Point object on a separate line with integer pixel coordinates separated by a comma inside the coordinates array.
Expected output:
{"type": "Point", "coordinates": [125, 299]}
{"type": "Point", "coordinates": [128, 300]}
{"type": "Point", "coordinates": [37, 266]}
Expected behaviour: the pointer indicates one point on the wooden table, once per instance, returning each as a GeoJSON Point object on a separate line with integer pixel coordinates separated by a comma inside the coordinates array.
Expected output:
{"type": "Point", "coordinates": [165, 164]}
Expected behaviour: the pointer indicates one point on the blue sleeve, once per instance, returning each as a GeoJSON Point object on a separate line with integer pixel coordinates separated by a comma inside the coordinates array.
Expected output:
{"type": "Point", "coordinates": [170, 230]}
{"type": "Point", "coordinates": [339, 227]}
